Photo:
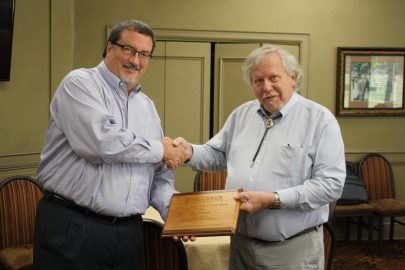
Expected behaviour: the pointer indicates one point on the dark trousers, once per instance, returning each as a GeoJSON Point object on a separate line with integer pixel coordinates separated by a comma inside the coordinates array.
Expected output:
{"type": "Point", "coordinates": [66, 239]}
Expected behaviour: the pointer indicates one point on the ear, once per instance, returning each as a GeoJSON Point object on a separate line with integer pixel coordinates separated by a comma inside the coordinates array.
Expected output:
{"type": "Point", "coordinates": [108, 48]}
{"type": "Point", "coordinates": [293, 80]}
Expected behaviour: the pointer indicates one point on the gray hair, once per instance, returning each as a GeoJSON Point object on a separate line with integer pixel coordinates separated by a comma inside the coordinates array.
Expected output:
{"type": "Point", "coordinates": [289, 62]}
{"type": "Point", "coordinates": [132, 25]}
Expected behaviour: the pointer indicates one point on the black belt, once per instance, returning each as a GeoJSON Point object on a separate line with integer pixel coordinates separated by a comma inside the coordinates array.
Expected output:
{"type": "Point", "coordinates": [294, 236]}
{"type": "Point", "coordinates": [304, 232]}
{"type": "Point", "coordinates": [83, 210]}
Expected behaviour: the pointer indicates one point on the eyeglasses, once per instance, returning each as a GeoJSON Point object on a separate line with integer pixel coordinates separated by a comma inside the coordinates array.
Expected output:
{"type": "Point", "coordinates": [130, 51]}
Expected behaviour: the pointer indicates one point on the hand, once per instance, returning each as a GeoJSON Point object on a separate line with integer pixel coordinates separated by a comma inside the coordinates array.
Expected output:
{"type": "Point", "coordinates": [188, 149]}
{"type": "Point", "coordinates": [185, 238]}
{"type": "Point", "coordinates": [172, 154]}
{"type": "Point", "coordinates": [254, 201]}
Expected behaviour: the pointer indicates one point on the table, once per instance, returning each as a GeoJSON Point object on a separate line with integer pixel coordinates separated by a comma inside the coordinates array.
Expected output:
{"type": "Point", "coordinates": [208, 253]}
{"type": "Point", "coordinates": [205, 252]}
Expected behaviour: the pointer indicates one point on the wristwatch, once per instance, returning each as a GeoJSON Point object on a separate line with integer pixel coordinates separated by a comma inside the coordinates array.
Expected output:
{"type": "Point", "coordinates": [277, 203]}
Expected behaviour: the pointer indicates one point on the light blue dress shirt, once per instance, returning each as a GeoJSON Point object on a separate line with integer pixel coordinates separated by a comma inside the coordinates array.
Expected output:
{"type": "Point", "coordinates": [302, 158]}
{"type": "Point", "coordinates": [103, 147]}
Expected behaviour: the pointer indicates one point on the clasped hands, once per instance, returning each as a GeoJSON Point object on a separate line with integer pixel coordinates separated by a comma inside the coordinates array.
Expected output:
{"type": "Point", "coordinates": [176, 152]}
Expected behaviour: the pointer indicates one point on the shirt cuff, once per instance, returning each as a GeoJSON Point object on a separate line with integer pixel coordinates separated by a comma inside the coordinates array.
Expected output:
{"type": "Point", "coordinates": [156, 151]}
{"type": "Point", "coordinates": [196, 153]}
{"type": "Point", "coordinates": [287, 198]}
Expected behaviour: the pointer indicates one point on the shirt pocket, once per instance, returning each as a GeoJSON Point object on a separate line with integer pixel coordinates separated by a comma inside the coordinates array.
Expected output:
{"type": "Point", "coordinates": [290, 164]}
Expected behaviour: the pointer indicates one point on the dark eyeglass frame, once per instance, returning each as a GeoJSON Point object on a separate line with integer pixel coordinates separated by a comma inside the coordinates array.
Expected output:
{"type": "Point", "coordinates": [131, 51]}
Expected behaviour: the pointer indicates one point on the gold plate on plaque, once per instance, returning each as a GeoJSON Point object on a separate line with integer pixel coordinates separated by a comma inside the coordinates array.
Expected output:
{"type": "Point", "coordinates": [205, 213]}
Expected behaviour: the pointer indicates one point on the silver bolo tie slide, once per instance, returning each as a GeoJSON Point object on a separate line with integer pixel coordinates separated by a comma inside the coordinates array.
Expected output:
{"type": "Point", "coordinates": [269, 123]}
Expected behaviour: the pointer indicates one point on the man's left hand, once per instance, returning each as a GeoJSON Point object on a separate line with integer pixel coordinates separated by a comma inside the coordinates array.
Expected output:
{"type": "Point", "coordinates": [254, 201]}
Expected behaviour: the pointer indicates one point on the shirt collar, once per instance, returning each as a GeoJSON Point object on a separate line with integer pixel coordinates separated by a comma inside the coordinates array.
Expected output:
{"type": "Point", "coordinates": [113, 80]}
{"type": "Point", "coordinates": [262, 112]}
{"type": "Point", "coordinates": [281, 113]}
{"type": "Point", "coordinates": [287, 107]}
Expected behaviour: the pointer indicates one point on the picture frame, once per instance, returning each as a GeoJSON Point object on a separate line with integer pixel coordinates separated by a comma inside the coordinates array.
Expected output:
{"type": "Point", "coordinates": [370, 81]}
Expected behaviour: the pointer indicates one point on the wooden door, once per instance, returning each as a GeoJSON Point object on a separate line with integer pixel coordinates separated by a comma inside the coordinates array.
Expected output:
{"type": "Point", "coordinates": [178, 80]}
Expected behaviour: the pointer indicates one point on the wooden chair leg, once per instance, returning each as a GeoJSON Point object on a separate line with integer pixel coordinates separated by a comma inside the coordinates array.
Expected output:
{"type": "Point", "coordinates": [347, 229]}
{"type": "Point", "coordinates": [359, 228]}
{"type": "Point", "coordinates": [392, 223]}
{"type": "Point", "coordinates": [380, 235]}
{"type": "Point", "coordinates": [370, 234]}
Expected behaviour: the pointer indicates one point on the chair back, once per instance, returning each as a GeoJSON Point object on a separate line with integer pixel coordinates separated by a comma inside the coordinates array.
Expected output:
{"type": "Point", "coordinates": [19, 196]}
{"type": "Point", "coordinates": [377, 175]}
{"type": "Point", "coordinates": [207, 180]}
{"type": "Point", "coordinates": [329, 245]}
{"type": "Point", "coordinates": [161, 253]}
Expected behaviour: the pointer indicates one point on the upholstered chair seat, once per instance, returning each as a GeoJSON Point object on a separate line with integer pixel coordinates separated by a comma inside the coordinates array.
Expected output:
{"type": "Point", "coordinates": [19, 257]}
{"type": "Point", "coordinates": [388, 206]}
{"type": "Point", "coordinates": [19, 196]}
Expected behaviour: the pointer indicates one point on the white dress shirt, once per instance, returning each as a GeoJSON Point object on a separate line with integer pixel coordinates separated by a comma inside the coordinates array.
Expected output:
{"type": "Point", "coordinates": [103, 148]}
{"type": "Point", "coordinates": [301, 157]}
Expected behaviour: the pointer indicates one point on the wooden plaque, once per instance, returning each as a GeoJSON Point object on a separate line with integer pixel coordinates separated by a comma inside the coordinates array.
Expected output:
{"type": "Point", "coordinates": [205, 213]}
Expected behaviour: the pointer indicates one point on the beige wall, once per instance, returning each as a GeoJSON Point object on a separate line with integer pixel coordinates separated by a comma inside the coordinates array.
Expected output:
{"type": "Point", "coordinates": [329, 23]}
{"type": "Point", "coordinates": [51, 37]}
{"type": "Point", "coordinates": [24, 99]}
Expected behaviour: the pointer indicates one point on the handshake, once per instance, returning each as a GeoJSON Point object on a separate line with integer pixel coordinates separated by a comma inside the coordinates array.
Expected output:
{"type": "Point", "coordinates": [176, 152]}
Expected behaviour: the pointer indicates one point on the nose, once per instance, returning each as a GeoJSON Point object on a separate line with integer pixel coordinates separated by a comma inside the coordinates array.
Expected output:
{"type": "Point", "coordinates": [267, 85]}
{"type": "Point", "coordinates": [134, 58]}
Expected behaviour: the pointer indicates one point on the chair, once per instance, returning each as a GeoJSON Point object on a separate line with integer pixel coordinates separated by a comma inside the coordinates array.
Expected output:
{"type": "Point", "coordinates": [377, 174]}
{"type": "Point", "coordinates": [354, 214]}
{"type": "Point", "coordinates": [19, 196]}
{"type": "Point", "coordinates": [161, 253]}
{"type": "Point", "coordinates": [208, 180]}
{"type": "Point", "coordinates": [329, 245]}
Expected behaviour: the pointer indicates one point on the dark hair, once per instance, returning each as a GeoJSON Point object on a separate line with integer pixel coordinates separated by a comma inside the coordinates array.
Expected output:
{"type": "Point", "coordinates": [132, 25]}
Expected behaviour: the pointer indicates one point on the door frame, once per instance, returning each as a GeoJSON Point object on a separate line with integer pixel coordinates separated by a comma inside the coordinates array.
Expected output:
{"type": "Point", "coordinates": [300, 39]}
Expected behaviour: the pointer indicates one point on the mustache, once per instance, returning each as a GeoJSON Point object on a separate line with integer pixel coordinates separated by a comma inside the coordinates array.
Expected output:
{"type": "Point", "coordinates": [270, 94]}
{"type": "Point", "coordinates": [131, 66]}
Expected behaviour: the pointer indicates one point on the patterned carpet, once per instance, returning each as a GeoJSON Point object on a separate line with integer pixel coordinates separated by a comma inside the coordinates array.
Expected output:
{"type": "Point", "coordinates": [354, 256]}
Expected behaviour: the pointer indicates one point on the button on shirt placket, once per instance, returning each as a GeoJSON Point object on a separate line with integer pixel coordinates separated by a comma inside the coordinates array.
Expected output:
{"type": "Point", "coordinates": [123, 97]}
{"type": "Point", "coordinates": [257, 163]}
{"type": "Point", "coordinates": [262, 148]}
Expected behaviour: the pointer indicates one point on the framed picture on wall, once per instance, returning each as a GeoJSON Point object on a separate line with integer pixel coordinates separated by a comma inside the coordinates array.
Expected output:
{"type": "Point", "coordinates": [370, 81]}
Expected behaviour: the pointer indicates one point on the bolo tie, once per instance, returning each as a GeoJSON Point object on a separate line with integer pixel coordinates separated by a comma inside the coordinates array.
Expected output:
{"type": "Point", "coordinates": [268, 124]}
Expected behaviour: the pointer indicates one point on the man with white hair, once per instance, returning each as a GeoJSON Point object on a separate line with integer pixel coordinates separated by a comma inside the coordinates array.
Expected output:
{"type": "Point", "coordinates": [287, 153]}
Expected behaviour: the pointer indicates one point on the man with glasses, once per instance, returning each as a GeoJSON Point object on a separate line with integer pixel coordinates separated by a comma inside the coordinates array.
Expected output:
{"type": "Point", "coordinates": [102, 164]}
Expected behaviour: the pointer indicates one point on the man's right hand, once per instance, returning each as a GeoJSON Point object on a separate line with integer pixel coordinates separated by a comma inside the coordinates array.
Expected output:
{"type": "Point", "coordinates": [188, 149]}
{"type": "Point", "coordinates": [172, 153]}
{"type": "Point", "coordinates": [182, 145]}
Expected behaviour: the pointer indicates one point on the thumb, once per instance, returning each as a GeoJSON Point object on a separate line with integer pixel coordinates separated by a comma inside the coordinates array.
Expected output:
{"type": "Point", "coordinates": [178, 141]}
{"type": "Point", "coordinates": [240, 197]}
